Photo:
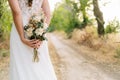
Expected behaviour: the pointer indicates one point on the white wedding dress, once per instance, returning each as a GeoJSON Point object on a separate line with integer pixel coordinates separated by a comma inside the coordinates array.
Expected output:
{"type": "Point", "coordinates": [21, 65]}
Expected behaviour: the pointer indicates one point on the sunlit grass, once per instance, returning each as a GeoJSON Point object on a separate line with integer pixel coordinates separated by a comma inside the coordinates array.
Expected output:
{"type": "Point", "coordinates": [55, 60]}
{"type": "Point", "coordinates": [102, 49]}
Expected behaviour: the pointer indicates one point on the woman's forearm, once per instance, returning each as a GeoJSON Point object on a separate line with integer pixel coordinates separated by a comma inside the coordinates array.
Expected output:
{"type": "Point", "coordinates": [18, 23]}
{"type": "Point", "coordinates": [48, 19]}
{"type": "Point", "coordinates": [46, 9]}
{"type": "Point", "coordinates": [17, 17]}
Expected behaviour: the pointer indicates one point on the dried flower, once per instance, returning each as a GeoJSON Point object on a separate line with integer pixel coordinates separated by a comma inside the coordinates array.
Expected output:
{"type": "Point", "coordinates": [29, 31]}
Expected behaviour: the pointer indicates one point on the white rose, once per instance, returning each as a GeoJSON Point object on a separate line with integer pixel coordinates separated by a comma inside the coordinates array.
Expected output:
{"type": "Point", "coordinates": [39, 31]}
{"type": "Point", "coordinates": [29, 32]}
{"type": "Point", "coordinates": [37, 18]}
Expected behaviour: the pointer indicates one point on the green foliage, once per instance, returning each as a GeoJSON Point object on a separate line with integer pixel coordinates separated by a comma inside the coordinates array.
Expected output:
{"type": "Point", "coordinates": [64, 19]}
{"type": "Point", "coordinates": [69, 15]}
{"type": "Point", "coordinates": [80, 8]}
{"type": "Point", "coordinates": [112, 26]}
{"type": "Point", "coordinates": [84, 4]}
{"type": "Point", "coordinates": [5, 19]}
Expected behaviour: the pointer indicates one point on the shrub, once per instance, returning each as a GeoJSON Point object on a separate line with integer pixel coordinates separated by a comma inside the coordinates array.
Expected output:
{"type": "Point", "coordinates": [64, 19]}
{"type": "Point", "coordinates": [112, 26]}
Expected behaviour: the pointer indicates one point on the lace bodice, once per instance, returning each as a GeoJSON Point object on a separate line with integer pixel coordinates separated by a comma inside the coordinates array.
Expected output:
{"type": "Point", "coordinates": [28, 11]}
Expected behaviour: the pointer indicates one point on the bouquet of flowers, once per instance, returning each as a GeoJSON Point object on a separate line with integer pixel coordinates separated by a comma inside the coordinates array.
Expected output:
{"type": "Point", "coordinates": [36, 29]}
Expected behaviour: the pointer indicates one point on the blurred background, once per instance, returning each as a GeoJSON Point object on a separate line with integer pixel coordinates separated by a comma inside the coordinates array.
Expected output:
{"type": "Point", "coordinates": [84, 41]}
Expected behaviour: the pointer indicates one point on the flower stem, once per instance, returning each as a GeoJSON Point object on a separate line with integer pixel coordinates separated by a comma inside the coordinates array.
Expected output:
{"type": "Point", "coordinates": [35, 56]}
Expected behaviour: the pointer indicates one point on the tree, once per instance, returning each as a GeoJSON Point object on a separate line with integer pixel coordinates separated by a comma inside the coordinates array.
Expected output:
{"type": "Point", "coordinates": [83, 5]}
{"type": "Point", "coordinates": [99, 18]}
{"type": "Point", "coordinates": [80, 7]}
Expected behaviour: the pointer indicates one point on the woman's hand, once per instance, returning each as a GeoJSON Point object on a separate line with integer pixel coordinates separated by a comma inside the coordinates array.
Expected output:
{"type": "Point", "coordinates": [31, 43]}
{"type": "Point", "coordinates": [38, 44]}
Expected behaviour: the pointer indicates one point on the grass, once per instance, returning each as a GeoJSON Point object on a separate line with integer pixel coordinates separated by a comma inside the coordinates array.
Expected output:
{"type": "Point", "coordinates": [55, 60]}
{"type": "Point", "coordinates": [89, 38]}
{"type": "Point", "coordinates": [4, 58]}
{"type": "Point", "coordinates": [117, 53]}
{"type": "Point", "coordinates": [4, 48]}
{"type": "Point", "coordinates": [4, 52]}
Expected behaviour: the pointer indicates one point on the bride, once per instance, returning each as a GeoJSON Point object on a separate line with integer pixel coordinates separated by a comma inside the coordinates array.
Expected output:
{"type": "Point", "coordinates": [21, 49]}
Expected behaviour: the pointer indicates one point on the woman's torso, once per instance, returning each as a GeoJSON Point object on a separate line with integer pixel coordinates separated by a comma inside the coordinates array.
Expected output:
{"type": "Point", "coordinates": [28, 11]}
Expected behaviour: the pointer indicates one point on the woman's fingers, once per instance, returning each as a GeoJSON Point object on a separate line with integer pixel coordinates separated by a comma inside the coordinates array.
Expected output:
{"type": "Point", "coordinates": [38, 44]}
{"type": "Point", "coordinates": [35, 43]}
{"type": "Point", "coordinates": [31, 43]}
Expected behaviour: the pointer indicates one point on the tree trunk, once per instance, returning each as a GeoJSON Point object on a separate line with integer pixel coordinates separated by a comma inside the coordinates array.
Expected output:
{"type": "Point", "coordinates": [99, 17]}
{"type": "Point", "coordinates": [83, 6]}
{"type": "Point", "coordinates": [85, 19]}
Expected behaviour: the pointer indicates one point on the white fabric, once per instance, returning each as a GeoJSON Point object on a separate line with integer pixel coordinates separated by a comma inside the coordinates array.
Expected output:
{"type": "Point", "coordinates": [21, 65]}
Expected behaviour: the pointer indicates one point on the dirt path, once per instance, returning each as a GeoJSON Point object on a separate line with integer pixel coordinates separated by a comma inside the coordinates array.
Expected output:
{"type": "Point", "coordinates": [69, 62]}
{"type": "Point", "coordinates": [76, 66]}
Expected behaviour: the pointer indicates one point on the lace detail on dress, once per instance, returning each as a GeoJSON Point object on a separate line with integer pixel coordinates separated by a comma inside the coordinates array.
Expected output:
{"type": "Point", "coordinates": [28, 11]}
{"type": "Point", "coordinates": [36, 5]}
